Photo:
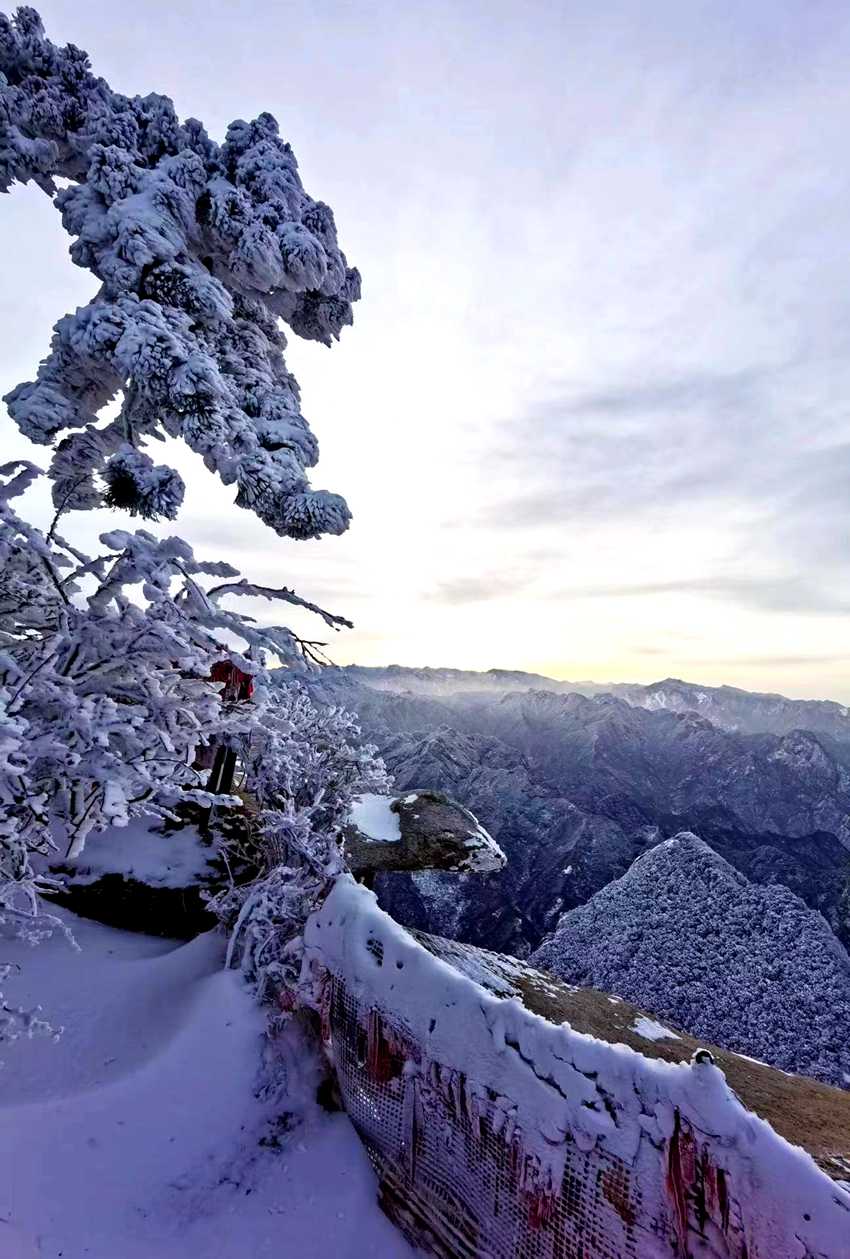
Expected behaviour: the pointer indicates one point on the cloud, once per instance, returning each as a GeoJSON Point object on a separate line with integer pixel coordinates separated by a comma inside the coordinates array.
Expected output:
{"type": "Point", "coordinates": [783, 594]}
{"type": "Point", "coordinates": [767, 662]}
{"type": "Point", "coordinates": [780, 661]}
{"type": "Point", "coordinates": [759, 458]}
{"type": "Point", "coordinates": [646, 446]}
{"type": "Point", "coordinates": [477, 589]}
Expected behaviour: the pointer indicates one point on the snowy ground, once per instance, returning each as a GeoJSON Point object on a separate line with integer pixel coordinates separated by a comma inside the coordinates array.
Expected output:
{"type": "Point", "coordinates": [374, 818]}
{"type": "Point", "coordinates": [140, 1135]}
{"type": "Point", "coordinates": [139, 851]}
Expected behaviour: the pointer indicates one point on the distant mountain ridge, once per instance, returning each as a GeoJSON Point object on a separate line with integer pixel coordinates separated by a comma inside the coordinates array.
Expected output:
{"type": "Point", "coordinates": [575, 786]}
{"type": "Point", "coordinates": [581, 784]}
{"type": "Point", "coordinates": [751, 712]}
{"type": "Point", "coordinates": [428, 680]}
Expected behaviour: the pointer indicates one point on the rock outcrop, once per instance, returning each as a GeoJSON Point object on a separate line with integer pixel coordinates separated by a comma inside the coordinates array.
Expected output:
{"type": "Point", "coordinates": [434, 833]}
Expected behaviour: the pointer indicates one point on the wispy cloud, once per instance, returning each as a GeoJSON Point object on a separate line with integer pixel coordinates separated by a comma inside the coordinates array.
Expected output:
{"type": "Point", "coordinates": [784, 594]}
{"type": "Point", "coordinates": [813, 661]}
{"type": "Point", "coordinates": [477, 589]}
{"type": "Point", "coordinates": [752, 455]}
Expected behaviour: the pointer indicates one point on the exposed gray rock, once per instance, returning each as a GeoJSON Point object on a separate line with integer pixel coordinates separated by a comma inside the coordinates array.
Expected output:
{"type": "Point", "coordinates": [176, 913]}
{"type": "Point", "coordinates": [435, 833]}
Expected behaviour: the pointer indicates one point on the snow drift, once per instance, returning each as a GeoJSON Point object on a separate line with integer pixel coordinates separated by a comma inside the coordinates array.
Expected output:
{"type": "Point", "coordinates": [165, 1121]}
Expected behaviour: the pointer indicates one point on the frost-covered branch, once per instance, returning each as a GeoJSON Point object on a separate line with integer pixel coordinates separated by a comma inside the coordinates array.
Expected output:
{"type": "Point", "coordinates": [22, 917]}
{"type": "Point", "coordinates": [244, 587]}
{"type": "Point", "coordinates": [304, 770]}
{"type": "Point", "coordinates": [200, 249]}
{"type": "Point", "coordinates": [106, 695]}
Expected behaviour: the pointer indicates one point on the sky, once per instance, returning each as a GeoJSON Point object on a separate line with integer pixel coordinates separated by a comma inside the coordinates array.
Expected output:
{"type": "Point", "coordinates": [593, 416]}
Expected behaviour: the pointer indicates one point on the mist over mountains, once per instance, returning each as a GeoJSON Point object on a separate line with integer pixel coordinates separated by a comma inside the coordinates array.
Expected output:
{"type": "Point", "coordinates": [750, 712]}
{"type": "Point", "coordinates": [576, 780]}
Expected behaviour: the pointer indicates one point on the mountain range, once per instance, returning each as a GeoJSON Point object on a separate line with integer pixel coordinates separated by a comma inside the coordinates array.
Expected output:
{"type": "Point", "coordinates": [578, 780]}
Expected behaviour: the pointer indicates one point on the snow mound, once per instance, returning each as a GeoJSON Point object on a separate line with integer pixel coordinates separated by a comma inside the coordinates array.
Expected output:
{"type": "Point", "coordinates": [138, 851]}
{"type": "Point", "coordinates": [374, 818]}
{"type": "Point", "coordinates": [685, 935]}
{"type": "Point", "coordinates": [151, 1128]}
{"type": "Point", "coordinates": [650, 1029]}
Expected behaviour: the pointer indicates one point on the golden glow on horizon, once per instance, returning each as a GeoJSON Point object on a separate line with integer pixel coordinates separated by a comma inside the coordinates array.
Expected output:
{"type": "Point", "coordinates": [576, 441]}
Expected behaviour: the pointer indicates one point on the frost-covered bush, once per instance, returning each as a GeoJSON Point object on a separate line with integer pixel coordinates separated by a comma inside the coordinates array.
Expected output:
{"type": "Point", "coordinates": [105, 690]}
{"type": "Point", "coordinates": [304, 765]}
{"type": "Point", "coordinates": [200, 249]}
{"type": "Point", "coordinates": [687, 937]}
{"type": "Point", "coordinates": [22, 918]}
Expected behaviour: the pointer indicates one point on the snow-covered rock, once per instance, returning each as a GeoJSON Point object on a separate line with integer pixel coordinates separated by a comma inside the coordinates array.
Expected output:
{"type": "Point", "coordinates": [144, 852]}
{"type": "Point", "coordinates": [373, 817]}
{"type": "Point", "coordinates": [141, 878]}
{"type": "Point", "coordinates": [422, 830]}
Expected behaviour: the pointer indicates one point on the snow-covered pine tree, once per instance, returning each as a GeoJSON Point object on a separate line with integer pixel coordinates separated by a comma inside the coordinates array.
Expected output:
{"type": "Point", "coordinates": [200, 249]}
{"type": "Point", "coordinates": [105, 691]}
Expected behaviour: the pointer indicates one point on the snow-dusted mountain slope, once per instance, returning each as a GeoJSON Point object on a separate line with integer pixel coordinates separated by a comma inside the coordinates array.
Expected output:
{"type": "Point", "coordinates": [751, 712]}
{"type": "Point", "coordinates": [686, 936]}
{"type": "Point", "coordinates": [151, 1129]}
{"type": "Point", "coordinates": [574, 787]}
